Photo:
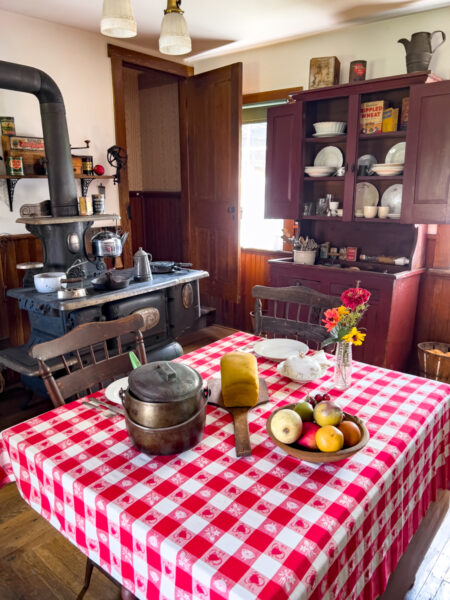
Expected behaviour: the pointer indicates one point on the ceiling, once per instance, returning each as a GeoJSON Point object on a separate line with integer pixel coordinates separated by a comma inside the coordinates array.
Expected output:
{"type": "Point", "coordinates": [220, 27]}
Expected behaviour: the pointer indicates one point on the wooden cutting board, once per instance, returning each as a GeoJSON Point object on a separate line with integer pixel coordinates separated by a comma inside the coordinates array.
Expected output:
{"type": "Point", "coordinates": [239, 414]}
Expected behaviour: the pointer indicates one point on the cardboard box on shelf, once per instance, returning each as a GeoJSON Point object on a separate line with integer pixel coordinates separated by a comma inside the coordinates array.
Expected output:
{"type": "Point", "coordinates": [404, 113]}
{"type": "Point", "coordinates": [390, 119]}
{"type": "Point", "coordinates": [371, 116]}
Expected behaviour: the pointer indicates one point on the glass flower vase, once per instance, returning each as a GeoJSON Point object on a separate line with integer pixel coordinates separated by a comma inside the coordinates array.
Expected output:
{"type": "Point", "coordinates": [343, 366]}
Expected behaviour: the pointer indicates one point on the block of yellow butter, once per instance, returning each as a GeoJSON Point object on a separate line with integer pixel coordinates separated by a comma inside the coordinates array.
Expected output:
{"type": "Point", "coordinates": [240, 383]}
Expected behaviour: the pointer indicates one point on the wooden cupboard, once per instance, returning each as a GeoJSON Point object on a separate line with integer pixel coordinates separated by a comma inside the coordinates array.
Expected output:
{"type": "Point", "coordinates": [292, 145]}
{"type": "Point", "coordinates": [389, 322]}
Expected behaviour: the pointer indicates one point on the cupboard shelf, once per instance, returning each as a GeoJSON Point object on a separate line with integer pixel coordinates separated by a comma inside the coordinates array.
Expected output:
{"type": "Point", "coordinates": [11, 182]}
{"type": "Point", "coordinates": [375, 220]}
{"type": "Point", "coordinates": [331, 178]}
{"type": "Point", "coordinates": [321, 218]}
{"type": "Point", "coordinates": [326, 140]}
{"type": "Point", "coordinates": [395, 178]}
{"type": "Point", "coordinates": [383, 135]}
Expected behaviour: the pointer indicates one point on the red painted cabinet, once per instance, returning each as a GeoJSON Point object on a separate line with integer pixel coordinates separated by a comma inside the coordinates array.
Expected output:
{"type": "Point", "coordinates": [282, 160]}
{"type": "Point", "coordinates": [426, 193]}
{"type": "Point", "coordinates": [389, 322]}
{"type": "Point", "coordinates": [293, 144]}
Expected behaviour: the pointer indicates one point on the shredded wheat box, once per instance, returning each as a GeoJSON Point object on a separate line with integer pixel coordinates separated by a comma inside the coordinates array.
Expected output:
{"type": "Point", "coordinates": [390, 119]}
{"type": "Point", "coordinates": [371, 116]}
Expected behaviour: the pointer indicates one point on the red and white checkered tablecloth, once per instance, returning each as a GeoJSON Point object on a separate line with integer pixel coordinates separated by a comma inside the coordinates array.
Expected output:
{"type": "Point", "coordinates": [205, 525]}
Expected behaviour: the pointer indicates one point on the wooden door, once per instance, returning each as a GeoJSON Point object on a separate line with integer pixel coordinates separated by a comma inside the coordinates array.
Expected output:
{"type": "Point", "coordinates": [283, 160]}
{"type": "Point", "coordinates": [426, 180]}
{"type": "Point", "coordinates": [212, 114]}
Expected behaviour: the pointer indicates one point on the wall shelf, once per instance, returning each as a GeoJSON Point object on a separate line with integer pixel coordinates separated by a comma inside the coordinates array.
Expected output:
{"type": "Point", "coordinates": [11, 182]}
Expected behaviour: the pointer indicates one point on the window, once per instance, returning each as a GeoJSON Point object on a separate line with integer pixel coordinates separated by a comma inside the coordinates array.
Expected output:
{"type": "Point", "coordinates": [257, 232]}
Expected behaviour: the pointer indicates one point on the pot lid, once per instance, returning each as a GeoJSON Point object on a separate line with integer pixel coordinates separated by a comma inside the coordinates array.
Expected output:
{"type": "Point", "coordinates": [164, 381]}
{"type": "Point", "coordinates": [105, 235]}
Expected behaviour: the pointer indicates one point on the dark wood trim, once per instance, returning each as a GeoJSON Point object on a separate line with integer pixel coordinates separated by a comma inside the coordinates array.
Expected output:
{"type": "Point", "coordinates": [149, 62]}
{"type": "Point", "coordinates": [270, 95]}
{"type": "Point", "coordinates": [121, 140]}
{"type": "Point", "coordinates": [184, 162]}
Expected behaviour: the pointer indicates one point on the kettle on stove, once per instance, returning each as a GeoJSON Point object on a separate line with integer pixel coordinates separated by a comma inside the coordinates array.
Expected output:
{"type": "Point", "coordinates": [142, 270]}
{"type": "Point", "coordinates": [108, 243]}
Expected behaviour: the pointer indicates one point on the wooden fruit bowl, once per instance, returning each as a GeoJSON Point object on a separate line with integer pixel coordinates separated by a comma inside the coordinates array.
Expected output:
{"type": "Point", "coordinates": [315, 456]}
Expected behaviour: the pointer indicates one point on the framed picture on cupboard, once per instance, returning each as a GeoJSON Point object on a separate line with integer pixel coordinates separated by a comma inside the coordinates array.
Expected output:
{"type": "Point", "coordinates": [324, 72]}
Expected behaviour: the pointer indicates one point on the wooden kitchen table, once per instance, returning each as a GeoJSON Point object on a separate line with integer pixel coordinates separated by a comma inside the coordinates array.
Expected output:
{"type": "Point", "coordinates": [206, 525]}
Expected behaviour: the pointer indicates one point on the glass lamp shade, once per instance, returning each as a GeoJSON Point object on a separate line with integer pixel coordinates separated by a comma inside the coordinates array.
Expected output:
{"type": "Point", "coordinates": [174, 37]}
{"type": "Point", "coordinates": [118, 19]}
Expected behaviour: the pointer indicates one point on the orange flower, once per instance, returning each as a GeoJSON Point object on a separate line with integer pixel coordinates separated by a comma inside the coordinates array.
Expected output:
{"type": "Point", "coordinates": [331, 318]}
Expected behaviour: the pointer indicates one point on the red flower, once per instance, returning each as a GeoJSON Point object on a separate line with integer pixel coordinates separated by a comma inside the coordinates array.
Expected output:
{"type": "Point", "coordinates": [331, 319]}
{"type": "Point", "coordinates": [354, 297]}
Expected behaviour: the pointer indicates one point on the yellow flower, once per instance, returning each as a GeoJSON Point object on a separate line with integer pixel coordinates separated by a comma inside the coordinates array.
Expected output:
{"type": "Point", "coordinates": [354, 337]}
{"type": "Point", "coordinates": [342, 311]}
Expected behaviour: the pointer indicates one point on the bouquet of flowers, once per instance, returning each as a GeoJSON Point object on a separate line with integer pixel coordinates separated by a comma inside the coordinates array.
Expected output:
{"type": "Point", "coordinates": [341, 323]}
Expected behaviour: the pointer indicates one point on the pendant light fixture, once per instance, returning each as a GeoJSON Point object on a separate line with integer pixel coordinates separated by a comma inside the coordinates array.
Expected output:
{"type": "Point", "coordinates": [174, 37]}
{"type": "Point", "coordinates": [118, 19]}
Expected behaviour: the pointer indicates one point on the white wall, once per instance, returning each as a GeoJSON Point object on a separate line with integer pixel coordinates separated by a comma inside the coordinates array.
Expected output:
{"type": "Point", "coordinates": [287, 65]}
{"type": "Point", "coordinates": [79, 64]}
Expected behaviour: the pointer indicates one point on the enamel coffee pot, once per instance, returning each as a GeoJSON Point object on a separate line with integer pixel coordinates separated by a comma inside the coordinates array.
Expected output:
{"type": "Point", "coordinates": [142, 270]}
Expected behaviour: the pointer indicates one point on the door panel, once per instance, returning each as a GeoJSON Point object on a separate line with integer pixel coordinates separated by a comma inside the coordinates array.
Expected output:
{"type": "Point", "coordinates": [426, 191]}
{"type": "Point", "coordinates": [213, 108]}
{"type": "Point", "coordinates": [283, 160]}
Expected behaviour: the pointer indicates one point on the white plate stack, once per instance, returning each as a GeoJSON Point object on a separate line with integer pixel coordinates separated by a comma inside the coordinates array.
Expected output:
{"type": "Point", "coordinates": [320, 171]}
{"type": "Point", "coordinates": [388, 169]}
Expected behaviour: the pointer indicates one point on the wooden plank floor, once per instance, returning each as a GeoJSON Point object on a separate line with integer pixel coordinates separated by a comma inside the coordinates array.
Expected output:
{"type": "Point", "coordinates": [37, 562]}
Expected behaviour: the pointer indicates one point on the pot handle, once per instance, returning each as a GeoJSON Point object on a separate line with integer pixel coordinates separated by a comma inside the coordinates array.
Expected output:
{"type": "Point", "coordinates": [206, 392]}
{"type": "Point", "coordinates": [122, 395]}
{"type": "Point", "coordinates": [165, 371]}
{"type": "Point", "coordinates": [443, 39]}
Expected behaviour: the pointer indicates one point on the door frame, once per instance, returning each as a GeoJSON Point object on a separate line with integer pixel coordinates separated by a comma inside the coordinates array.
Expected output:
{"type": "Point", "coordinates": [122, 58]}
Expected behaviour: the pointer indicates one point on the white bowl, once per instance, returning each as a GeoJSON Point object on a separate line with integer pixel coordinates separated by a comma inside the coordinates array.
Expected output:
{"type": "Point", "coordinates": [47, 283]}
{"type": "Point", "coordinates": [320, 171]}
{"type": "Point", "coordinates": [387, 169]}
{"type": "Point", "coordinates": [330, 127]}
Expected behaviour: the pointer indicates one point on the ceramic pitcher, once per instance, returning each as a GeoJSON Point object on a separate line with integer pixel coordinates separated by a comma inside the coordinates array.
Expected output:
{"type": "Point", "coordinates": [419, 50]}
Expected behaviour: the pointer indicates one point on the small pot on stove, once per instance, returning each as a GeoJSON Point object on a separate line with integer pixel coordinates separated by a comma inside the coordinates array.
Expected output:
{"type": "Point", "coordinates": [162, 394]}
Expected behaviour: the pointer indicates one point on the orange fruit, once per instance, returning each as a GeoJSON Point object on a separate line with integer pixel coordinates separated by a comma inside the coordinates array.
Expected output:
{"type": "Point", "coordinates": [351, 433]}
{"type": "Point", "coordinates": [329, 439]}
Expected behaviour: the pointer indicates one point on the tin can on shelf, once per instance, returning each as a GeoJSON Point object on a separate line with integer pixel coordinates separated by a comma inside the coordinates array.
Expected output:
{"type": "Point", "coordinates": [357, 71]}
{"type": "Point", "coordinates": [98, 202]}
{"type": "Point", "coordinates": [7, 126]}
{"type": "Point", "coordinates": [14, 165]}
{"type": "Point", "coordinates": [87, 165]}
{"type": "Point", "coordinates": [85, 206]}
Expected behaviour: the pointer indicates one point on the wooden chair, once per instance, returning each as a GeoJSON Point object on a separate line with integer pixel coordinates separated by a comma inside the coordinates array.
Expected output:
{"type": "Point", "coordinates": [292, 312]}
{"type": "Point", "coordinates": [92, 354]}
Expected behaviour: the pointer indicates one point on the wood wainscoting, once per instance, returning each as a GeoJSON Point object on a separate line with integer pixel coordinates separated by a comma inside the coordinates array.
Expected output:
{"type": "Point", "coordinates": [156, 224]}
{"type": "Point", "coordinates": [14, 249]}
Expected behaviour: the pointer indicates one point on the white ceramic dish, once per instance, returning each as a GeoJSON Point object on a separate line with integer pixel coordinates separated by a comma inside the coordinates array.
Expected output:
{"type": "Point", "coordinates": [327, 134]}
{"type": "Point", "coordinates": [366, 195]}
{"type": "Point", "coordinates": [113, 389]}
{"type": "Point", "coordinates": [330, 127]}
{"type": "Point", "coordinates": [330, 156]}
{"type": "Point", "coordinates": [48, 283]}
{"type": "Point", "coordinates": [319, 171]}
{"type": "Point", "coordinates": [392, 197]}
{"type": "Point", "coordinates": [393, 216]}
{"type": "Point", "coordinates": [292, 368]}
{"type": "Point", "coordinates": [396, 154]}
{"type": "Point", "coordinates": [278, 349]}
{"type": "Point", "coordinates": [387, 170]}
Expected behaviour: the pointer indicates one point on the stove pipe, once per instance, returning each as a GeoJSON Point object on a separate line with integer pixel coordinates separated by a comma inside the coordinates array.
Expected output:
{"type": "Point", "coordinates": [61, 182]}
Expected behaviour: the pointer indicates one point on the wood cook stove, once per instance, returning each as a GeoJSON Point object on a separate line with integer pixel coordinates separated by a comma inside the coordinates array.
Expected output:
{"type": "Point", "coordinates": [175, 295]}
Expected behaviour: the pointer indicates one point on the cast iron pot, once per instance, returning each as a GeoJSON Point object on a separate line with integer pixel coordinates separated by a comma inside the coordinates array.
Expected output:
{"type": "Point", "coordinates": [162, 394]}
{"type": "Point", "coordinates": [168, 440]}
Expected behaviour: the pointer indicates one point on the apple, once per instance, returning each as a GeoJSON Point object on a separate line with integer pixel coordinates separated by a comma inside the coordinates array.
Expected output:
{"type": "Point", "coordinates": [305, 410]}
{"type": "Point", "coordinates": [286, 426]}
{"type": "Point", "coordinates": [327, 413]}
{"type": "Point", "coordinates": [308, 437]}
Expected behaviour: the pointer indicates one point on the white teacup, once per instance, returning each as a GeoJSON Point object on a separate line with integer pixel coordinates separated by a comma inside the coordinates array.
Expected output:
{"type": "Point", "coordinates": [383, 211]}
{"type": "Point", "coordinates": [370, 212]}
{"type": "Point", "coordinates": [334, 205]}
{"type": "Point", "coordinates": [359, 213]}
{"type": "Point", "coordinates": [340, 212]}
